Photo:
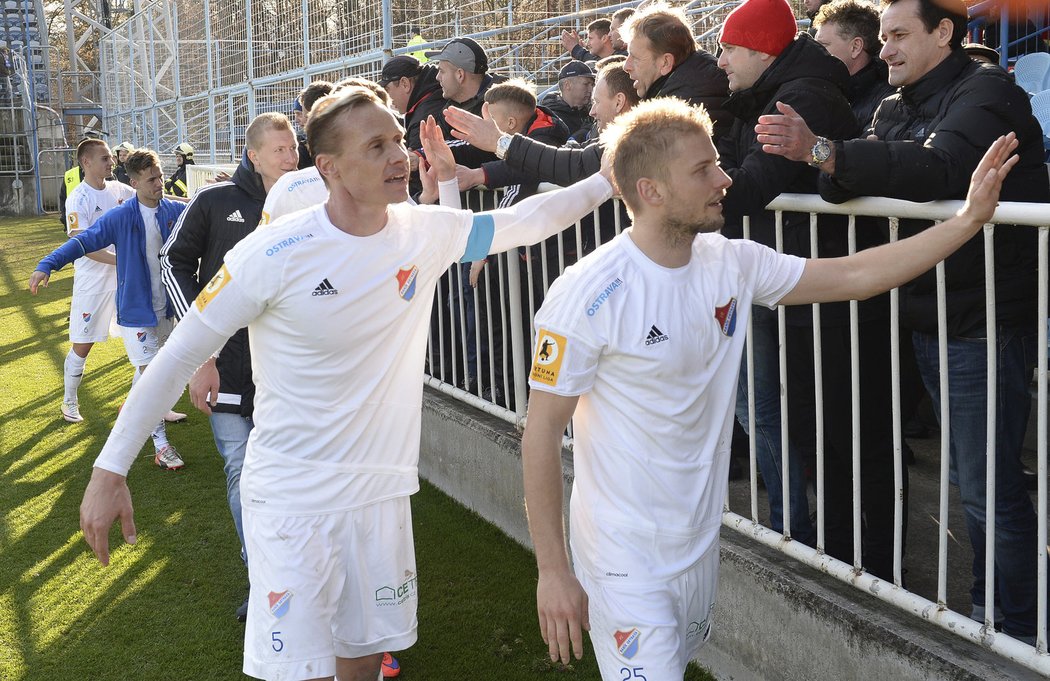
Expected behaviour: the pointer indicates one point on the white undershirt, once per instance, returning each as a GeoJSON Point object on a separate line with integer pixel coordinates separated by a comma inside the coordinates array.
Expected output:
{"type": "Point", "coordinates": [153, 246]}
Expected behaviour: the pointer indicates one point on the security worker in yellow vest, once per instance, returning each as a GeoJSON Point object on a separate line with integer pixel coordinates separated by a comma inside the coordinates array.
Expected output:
{"type": "Point", "coordinates": [417, 39]}
{"type": "Point", "coordinates": [70, 180]}
{"type": "Point", "coordinates": [176, 184]}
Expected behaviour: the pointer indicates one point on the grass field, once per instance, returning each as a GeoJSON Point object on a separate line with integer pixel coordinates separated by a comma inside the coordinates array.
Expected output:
{"type": "Point", "coordinates": [163, 609]}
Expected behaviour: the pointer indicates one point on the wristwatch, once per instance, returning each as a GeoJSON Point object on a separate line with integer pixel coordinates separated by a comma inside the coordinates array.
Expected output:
{"type": "Point", "coordinates": [821, 152]}
{"type": "Point", "coordinates": [503, 145]}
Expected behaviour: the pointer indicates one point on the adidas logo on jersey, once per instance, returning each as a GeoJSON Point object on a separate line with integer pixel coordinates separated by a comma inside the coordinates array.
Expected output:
{"type": "Point", "coordinates": [98, 209]}
{"type": "Point", "coordinates": [235, 216]}
{"type": "Point", "coordinates": [655, 336]}
{"type": "Point", "coordinates": [325, 288]}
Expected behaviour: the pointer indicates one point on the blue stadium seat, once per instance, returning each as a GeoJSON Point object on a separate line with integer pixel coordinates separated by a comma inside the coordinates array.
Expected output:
{"type": "Point", "coordinates": [1031, 71]}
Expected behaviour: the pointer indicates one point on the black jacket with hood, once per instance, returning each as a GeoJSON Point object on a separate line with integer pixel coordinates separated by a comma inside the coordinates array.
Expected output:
{"type": "Point", "coordinates": [698, 80]}
{"type": "Point", "coordinates": [814, 83]}
{"type": "Point", "coordinates": [931, 136]}
{"type": "Point", "coordinates": [217, 218]}
{"type": "Point", "coordinates": [425, 100]}
{"type": "Point", "coordinates": [867, 88]}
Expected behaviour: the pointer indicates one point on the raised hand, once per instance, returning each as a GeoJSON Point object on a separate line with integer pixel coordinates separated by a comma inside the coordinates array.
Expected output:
{"type": "Point", "coordinates": [987, 179]}
{"type": "Point", "coordinates": [436, 150]}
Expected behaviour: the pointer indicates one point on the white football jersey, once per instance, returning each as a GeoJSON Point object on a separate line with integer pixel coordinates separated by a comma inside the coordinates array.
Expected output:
{"type": "Point", "coordinates": [294, 191]}
{"type": "Point", "coordinates": [338, 326]}
{"type": "Point", "coordinates": [654, 354]}
{"type": "Point", "coordinates": [84, 206]}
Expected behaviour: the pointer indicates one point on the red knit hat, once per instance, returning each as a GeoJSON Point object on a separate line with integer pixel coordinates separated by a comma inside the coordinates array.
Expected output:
{"type": "Point", "coordinates": [763, 25]}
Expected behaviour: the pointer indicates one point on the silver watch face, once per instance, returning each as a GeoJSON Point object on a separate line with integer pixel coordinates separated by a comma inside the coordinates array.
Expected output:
{"type": "Point", "coordinates": [821, 150]}
{"type": "Point", "coordinates": [502, 145]}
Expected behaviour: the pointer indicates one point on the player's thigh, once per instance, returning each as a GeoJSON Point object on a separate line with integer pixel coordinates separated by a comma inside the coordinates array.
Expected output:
{"type": "Point", "coordinates": [90, 315]}
{"type": "Point", "coordinates": [143, 343]}
{"type": "Point", "coordinates": [297, 568]}
{"type": "Point", "coordinates": [378, 610]}
{"type": "Point", "coordinates": [649, 633]}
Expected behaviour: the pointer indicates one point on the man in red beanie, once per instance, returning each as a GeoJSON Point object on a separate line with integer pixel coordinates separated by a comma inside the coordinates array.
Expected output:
{"type": "Point", "coordinates": [766, 62]}
{"type": "Point", "coordinates": [927, 141]}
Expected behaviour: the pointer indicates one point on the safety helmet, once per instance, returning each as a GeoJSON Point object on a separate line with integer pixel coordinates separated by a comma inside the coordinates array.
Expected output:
{"type": "Point", "coordinates": [125, 146]}
{"type": "Point", "coordinates": [184, 149]}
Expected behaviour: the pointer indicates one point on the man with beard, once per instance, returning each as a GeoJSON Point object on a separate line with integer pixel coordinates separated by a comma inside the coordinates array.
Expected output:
{"type": "Point", "coordinates": [640, 344]}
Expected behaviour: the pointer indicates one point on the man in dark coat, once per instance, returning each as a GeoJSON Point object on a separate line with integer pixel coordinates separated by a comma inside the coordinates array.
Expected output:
{"type": "Point", "coordinates": [414, 91]}
{"type": "Point", "coordinates": [849, 30]}
{"type": "Point", "coordinates": [930, 136]}
{"type": "Point", "coordinates": [664, 61]}
{"type": "Point", "coordinates": [572, 100]}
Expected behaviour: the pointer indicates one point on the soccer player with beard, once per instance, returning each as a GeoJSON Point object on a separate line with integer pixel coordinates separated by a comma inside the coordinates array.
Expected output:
{"type": "Point", "coordinates": [640, 343]}
{"type": "Point", "coordinates": [337, 301]}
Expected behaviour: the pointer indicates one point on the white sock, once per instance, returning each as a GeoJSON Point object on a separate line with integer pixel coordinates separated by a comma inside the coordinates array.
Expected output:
{"type": "Point", "coordinates": [73, 374]}
{"type": "Point", "coordinates": [159, 434]}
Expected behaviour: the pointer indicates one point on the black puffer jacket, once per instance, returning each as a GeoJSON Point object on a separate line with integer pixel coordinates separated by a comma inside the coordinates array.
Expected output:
{"type": "Point", "coordinates": [425, 100]}
{"type": "Point", "coordinates": [932, 134]}
{"type": "Point", "coordinates": [867, 88]}
{"type": "Point", "coordinates": [813, 82]}
{"type": "Point", "coordinates": [576, 119]}
{"type": "Point", "coordinates": [698, 80]}
{"type": "Point", "coordinates": [217, 218]}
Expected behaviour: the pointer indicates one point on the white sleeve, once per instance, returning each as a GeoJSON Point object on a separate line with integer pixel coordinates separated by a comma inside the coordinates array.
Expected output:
{"type": "Point", "coordinates": [568, 343]}
{"type": "Point", "coordinates": [223, 307]}
{"type": "Point", "coordinates": [448, 194]}
{"type": "Point", "coordinates": [773, 274]}
{"type": "Point", "coordinates": [535, 218]}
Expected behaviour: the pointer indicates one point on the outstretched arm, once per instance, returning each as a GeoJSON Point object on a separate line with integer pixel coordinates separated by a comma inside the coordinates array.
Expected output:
{"type": "Point", "coordinates": [561, 603]}
{"type": "Point", "coordinates": [875, 270]}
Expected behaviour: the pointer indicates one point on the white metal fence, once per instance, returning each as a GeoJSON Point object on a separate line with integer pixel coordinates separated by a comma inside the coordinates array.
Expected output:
{"type": "Point", "coordinates": [481, 341]}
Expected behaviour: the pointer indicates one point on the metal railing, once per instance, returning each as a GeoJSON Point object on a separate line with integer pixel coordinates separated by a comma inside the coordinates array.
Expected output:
{"type": "Point", "coordinates": [481, 341]}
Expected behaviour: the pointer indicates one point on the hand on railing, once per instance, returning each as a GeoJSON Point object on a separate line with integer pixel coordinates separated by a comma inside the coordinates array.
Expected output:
{"type": "Point", "coordinates": [479, 131]}
{"type": "Point", "coordinates": [436, 150]}
{"type": "Point", "coordinates": [987, 180]}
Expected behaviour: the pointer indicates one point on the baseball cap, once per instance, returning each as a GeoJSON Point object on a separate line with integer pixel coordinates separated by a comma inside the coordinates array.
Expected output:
{"type": "Point", "coordinates": [979, 50]}
{"type": "Point", "coordinates": [297, 105]}
{"type": "Point", "coordinates": [575, 68]}
{"type": "Point", "coordinates": [401, 66]}
{"type": "Point", "coordinates": [463, 53]}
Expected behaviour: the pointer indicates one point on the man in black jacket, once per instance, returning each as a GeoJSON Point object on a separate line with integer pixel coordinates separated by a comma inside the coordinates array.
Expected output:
{"type": "Point", "coordinates": [664, 61]}
{"type": "Point", "coordinates": [849, 30]}
{"type": "Point", "coordinates": [572, 100]}
{"type": "Point", "coordinates": [929, 140]}
{"type": "Point", "coordinates": [599, 43]}
{"type": "Point", "coordinates": [218, 217]}
{"type": "Point", "coordinates": [414, 92]}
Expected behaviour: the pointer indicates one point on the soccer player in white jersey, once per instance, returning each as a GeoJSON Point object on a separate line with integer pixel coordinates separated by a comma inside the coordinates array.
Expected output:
{"type": "Point", "coordinates": [640, 344]}
{"type": "Point", "coordinates": [337, 301]}
{"type": "Point", "coordinates": [93, 304]}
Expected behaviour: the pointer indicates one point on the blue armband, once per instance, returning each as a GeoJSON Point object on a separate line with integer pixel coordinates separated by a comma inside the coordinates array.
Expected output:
{"type": "Point", "coordinates": [480, 240]}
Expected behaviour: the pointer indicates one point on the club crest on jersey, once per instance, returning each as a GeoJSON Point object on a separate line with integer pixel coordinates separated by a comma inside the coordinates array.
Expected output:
{"type": "Point", "coordinates": [141, 335]}
{"type": "Point", "coordinates": [726, 317]}
{"type": "Point", "coordinates": [406, 281]}
{"type": "Point", "coordinates": [627, 642]}
{"type": "Point", "coordinates": [279, 603]}
{"type": "Point", "coordinates": [86, 316]}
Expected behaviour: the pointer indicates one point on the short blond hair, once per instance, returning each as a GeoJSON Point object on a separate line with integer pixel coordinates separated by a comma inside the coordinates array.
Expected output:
{"type": "Point", "coordinates": [516, 92]}
{"type": "Point", "coordinates": [271, 120]}
{"type": "Point", "coordinates": [641, 142]}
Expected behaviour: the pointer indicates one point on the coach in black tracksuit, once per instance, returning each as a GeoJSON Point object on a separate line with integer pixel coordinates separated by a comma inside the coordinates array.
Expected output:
{"type": "Point", "coordinates": [217, 218]}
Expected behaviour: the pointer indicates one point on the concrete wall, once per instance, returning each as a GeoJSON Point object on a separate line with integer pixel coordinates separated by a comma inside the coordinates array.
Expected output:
{"type": "Point", "coordinates": [775, 619]}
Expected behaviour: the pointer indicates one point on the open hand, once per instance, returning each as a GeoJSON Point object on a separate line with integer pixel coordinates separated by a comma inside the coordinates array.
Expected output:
{"type": "Point", "coordinates": [436, 150]}
{"type": "Point", "coordinates": [479, 131]}
{"type": "Point", "coordinates": [106, 498]}
{"type": "Point", "coordinates": [786, 134]}
{"type": "Point", "coordinates": [987, 179]}
{"type": "Point", "coordinates": [38, 279]}
{"type": "Point", "coordinates": [561, 604]}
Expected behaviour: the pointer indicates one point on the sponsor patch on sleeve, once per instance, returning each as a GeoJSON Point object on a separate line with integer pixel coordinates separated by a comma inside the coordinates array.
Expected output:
{"type": "Point", "coordinates": [264, 219]}
{"type": "Point", "coordinates": [73, 220]}
{"type": "Point", "coordinates": [546, 362]}
{"type": "Point", "coordinates": [221, 278]}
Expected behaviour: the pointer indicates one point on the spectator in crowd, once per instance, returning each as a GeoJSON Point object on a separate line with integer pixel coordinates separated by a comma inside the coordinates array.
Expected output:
{"type": "Point", "coordinates": [664, 61]}
{"type": "Point", "coordinates": [849, 30]}
{"type": "Point", "coordinates": [137, 229]}
{"type": "Point", "coordinates": [417, 39]}
{"type": "Point", "coordinates": [811, 8]}
{"type": "Point", "coordinates": [639, 346]}
{"type": "Point", "coordinates": [122, 150]}
{"type": "Point", "coordinates": [767, 61]}
{"type": "Point", "coordinates": [614, 94]}
{"type": "Point", "coordinates": [309, 95]}
{"type": "Point", "coordinates": [176, 184]}
{"type": "Point", "coordinates": [928, 140]}
{"type": "Point", "coordinates": [981, 53]}
{"type": "Point", "coordinates": [572, 100]}
{"type": "Point", "coordinates": [511, 106]}
{"type": "Point", "coordinates": [463, 75]}
{"type": "Point", "coordinates": [599, 43]}
{"type": "Point", "coordinates": [414, 92]}
{"type": "Point", "coordinates": [296, 465]}
{"type": "Point", "coordinates": [93, 303]}
{"type": "Point", "coordinates": [618, 18]}
{"type": "Point", "coordinates": [218, 217]}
